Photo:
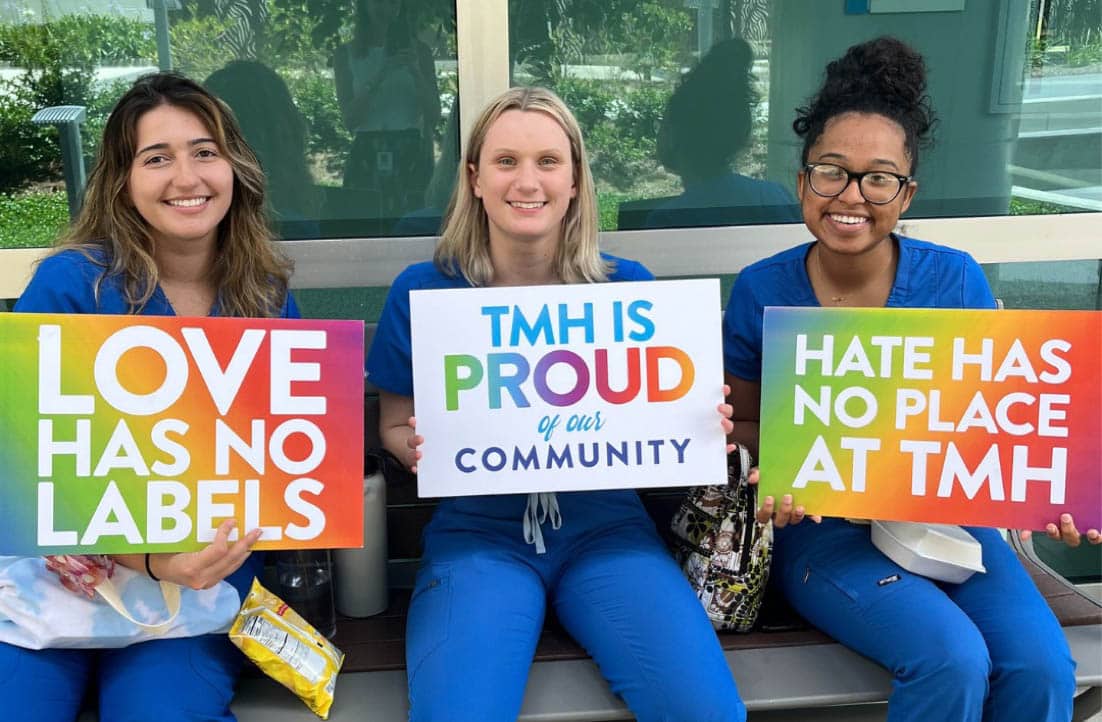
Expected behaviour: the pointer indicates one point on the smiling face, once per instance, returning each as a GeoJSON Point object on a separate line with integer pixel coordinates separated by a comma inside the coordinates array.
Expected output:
{"type": "Point", "coordinates": [525, 178]}
{"type": "Point", "coordinates": [858, 142]}
{"type": "Point", "coordinates": [180, 181]}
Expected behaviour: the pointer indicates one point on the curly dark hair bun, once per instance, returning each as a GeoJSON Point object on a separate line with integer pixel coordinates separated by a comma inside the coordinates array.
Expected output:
{"type": "Point", "coordinates": [884, 76]}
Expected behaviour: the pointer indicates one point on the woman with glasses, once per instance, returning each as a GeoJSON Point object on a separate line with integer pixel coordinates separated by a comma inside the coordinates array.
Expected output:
{"type": "Point", "coordinates": [986, 649]}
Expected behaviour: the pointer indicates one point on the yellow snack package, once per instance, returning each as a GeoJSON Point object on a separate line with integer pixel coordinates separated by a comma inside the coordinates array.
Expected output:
{"type": "Point", "coordinates": [287, 648]}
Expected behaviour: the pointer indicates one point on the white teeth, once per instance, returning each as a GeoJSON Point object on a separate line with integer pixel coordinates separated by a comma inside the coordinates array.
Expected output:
{"type": "Point", "coordinates": [848, 220]}
{"type": "Point", "coordinates": [188, 203]}
{"type": "Point", "coordinates": [536, 204]}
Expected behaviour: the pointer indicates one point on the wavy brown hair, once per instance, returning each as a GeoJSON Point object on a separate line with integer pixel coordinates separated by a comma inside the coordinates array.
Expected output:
{"type": "Point", "coordinates": [250, 274]}
{"type": "Point", "coordinates": [464, 246]}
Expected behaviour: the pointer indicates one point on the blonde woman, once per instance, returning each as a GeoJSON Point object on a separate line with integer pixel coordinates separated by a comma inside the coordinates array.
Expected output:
{"type": "Point", "coordinates": [524, 213]}
{"type": "Point", "coordinates": [173, 224]}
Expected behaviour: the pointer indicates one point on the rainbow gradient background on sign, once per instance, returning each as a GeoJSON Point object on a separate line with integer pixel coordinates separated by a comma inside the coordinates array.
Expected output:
{"type": "Point", "coordinates": [888, 488]}
{"type": "Point", "coordinates": [141, 371]}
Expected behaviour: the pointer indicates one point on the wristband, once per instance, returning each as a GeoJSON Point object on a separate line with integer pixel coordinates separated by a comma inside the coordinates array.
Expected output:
{"type": "Point", "coordinates": [149, 569]}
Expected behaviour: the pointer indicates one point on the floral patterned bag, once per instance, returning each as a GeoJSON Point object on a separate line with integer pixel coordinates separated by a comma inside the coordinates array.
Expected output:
{"type": "Point", "coordinates": [723, 550]}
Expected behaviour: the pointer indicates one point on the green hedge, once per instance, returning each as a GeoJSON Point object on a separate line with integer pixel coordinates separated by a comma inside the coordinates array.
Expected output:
{"type": "Point", "coordinates": [32, 220]}
{"type": "Point", "coordinates": [59, 59]}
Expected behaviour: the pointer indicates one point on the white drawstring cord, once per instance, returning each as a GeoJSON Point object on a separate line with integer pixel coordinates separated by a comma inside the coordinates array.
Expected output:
{"type": "Point", "coordinates": [540, 506]}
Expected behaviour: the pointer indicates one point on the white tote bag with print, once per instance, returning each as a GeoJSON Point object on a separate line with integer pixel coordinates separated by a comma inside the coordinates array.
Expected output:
{"type": "Point", "coordinates": [126, 607]}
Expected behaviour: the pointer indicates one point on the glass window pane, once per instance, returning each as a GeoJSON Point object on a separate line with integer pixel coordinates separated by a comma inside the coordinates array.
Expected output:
{"type": "Point", "coordinates": [1060, 285]}
{"type": "Point", "coordinates": [349, 104]}
{"type": "Point", "coordinates": [687, 105]}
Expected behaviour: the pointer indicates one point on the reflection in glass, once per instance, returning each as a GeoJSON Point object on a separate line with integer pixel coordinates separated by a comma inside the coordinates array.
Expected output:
{"type": "Point", "coordinates": [706, 126]}
{"type": "Point", "coordinates": [275, 129]}
{"type": "Point", "coordinates": [665, 94]}
{"type": "Point", "coordinates": [386, 86]}
{"type": "Point", "coordinates": [1018, 85]}
{"type": "Point", "coordinates": [1057, 161]}
{"type": "Point", "coordinates": [345, 156]}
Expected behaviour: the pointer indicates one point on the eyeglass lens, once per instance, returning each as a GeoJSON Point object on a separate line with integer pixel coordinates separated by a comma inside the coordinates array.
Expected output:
{"type": "Point", "coordinates": [831, 180]}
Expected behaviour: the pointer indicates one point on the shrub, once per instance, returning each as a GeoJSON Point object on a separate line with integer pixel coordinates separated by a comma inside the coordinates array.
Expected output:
{"type": "Point", "coordinates": [32, 220]}
{"type": "Point", "coordinates": [316, 98]}
{"type": "Point", "coordinates": [28, 152]}
{"type": "Point", "coordinates": [620, 127]}
{"type": "Point", "coordinates": [77, 42]}
{"type": "Point", "coordinates": [58, 59]}
{"type": "Point", "coordinates": [1029, 207]}
{"type": "Point", "coordinates": [197, 48]}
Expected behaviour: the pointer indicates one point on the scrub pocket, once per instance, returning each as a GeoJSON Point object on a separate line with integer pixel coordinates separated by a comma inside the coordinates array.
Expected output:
{"type": "Point", "coordinates": [429, 617]}
{"type": "Point", "coordinates": [859, 586]}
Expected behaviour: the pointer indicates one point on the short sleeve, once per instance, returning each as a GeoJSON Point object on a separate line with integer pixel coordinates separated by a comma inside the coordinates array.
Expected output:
{"type": "Point", "coordinates": [742, 333]}
{"type": "Point", "coordinates": [976, 293]}
{"type": "Point", "coordinates": [640, 272]}
{"type": "Point", "coordinates": [628, 270]}
{"type": "Point", "coordinates": [390, 360]}
{"type": "Point", "coordinates": [62, 283]}
{"type": "Point", "coordinates": [290, 307]}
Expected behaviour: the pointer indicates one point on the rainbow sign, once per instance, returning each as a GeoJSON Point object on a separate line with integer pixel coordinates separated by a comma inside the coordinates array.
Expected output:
{"type": "Point", "coordinates": [142, 433]}
{"type": "Point", "coordinates": [988, 418]}
{"type": "Point", "coordinates": [568, 388]}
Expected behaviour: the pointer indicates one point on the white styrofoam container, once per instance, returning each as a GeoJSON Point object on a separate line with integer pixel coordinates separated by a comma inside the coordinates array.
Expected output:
{"type": "Point", "coordinates": [939, 551]}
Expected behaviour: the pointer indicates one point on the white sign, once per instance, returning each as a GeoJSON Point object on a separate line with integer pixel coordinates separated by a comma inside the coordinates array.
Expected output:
{"type": "Point", "coordinates": [567, 388]}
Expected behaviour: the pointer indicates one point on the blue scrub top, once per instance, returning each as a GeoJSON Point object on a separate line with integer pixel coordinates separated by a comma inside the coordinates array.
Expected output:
{"type": "Point", "coordinates": [928, 276]}
{"type": "Point", "coordinates": [67, 283]}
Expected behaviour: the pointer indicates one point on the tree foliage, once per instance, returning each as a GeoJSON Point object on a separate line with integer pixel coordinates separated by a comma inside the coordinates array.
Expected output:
{"type": "Point", "coordinates": [1077, 22]}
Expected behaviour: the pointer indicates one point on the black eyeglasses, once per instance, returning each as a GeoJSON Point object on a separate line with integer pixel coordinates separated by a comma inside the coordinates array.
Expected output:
{"type": "Point", "coordinates": [876, 186]}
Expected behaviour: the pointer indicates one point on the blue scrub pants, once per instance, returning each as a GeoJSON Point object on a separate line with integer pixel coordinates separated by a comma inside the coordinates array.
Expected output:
{"type": "Point", "coordinates": [168, 680]}
{"type": "Point", "coordinates": [480, 597]}
{"type": "Point", "coordinates": [188, 679]}
{"type": "Point", "coordinates": [988, 649]}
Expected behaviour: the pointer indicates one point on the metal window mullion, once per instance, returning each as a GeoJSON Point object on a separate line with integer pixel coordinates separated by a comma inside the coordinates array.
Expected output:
{"type": "Point", "coordinates": [482, 45]}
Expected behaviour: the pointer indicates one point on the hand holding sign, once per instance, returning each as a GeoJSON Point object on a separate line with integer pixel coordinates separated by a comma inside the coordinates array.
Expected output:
{"type": "Point", "coordinates": [787, 513]}
{"type": "Point", "coordinates": [202, 569]}
{"type": "Point", "coordinates": [413, 443]}
{"type": "Point", "coordinates": [1066, 532]}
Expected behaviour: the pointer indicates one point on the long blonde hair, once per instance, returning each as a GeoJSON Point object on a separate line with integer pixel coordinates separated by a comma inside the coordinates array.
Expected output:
{"type": "Point", "coordinates": [464, 247]}
{"type": "Point", "coordinates": [251, 275]}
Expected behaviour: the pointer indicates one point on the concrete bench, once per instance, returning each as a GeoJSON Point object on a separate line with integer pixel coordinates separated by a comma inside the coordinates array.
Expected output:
{"type": "Point", "coordinates": [565, 685]}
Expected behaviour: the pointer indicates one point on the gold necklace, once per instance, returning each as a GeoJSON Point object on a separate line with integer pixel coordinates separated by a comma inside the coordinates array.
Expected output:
{"type": "Point", "coordinates": [822, 274]}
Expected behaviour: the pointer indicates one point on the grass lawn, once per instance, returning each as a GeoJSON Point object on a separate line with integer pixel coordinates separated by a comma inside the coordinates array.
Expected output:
{"type": "Point", "coordinates": [32, 220]}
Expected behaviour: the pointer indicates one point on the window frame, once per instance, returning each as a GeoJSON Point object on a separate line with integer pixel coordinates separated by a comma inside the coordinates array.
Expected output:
{"type": "Point", "coordinates": [483, 72]}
